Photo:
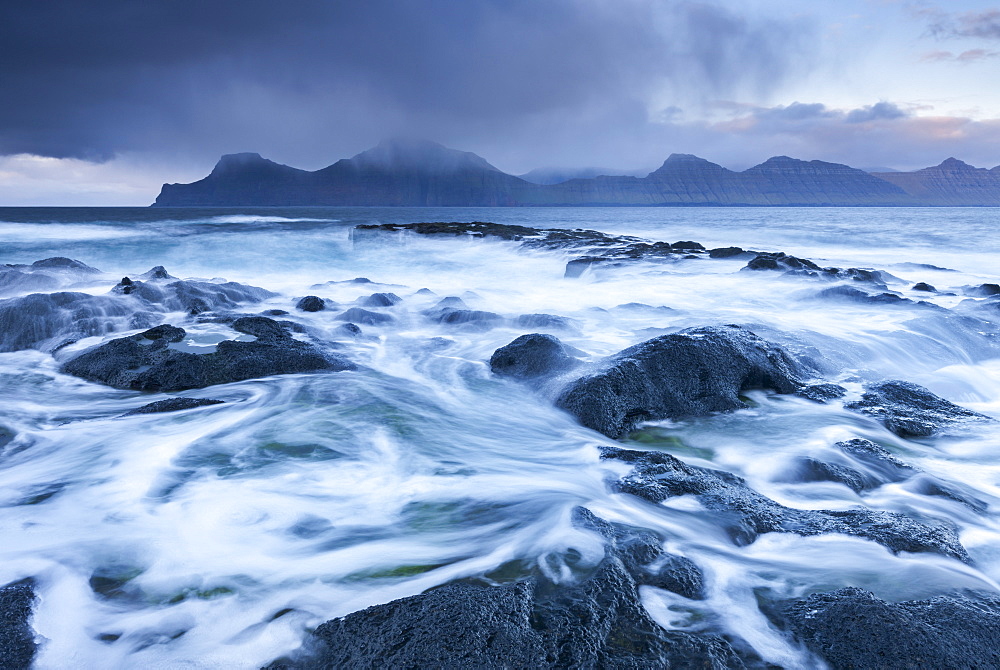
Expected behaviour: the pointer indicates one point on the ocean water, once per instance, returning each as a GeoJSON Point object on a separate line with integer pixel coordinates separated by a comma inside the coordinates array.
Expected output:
{"type": "Point", "coordinates": [214, 538]}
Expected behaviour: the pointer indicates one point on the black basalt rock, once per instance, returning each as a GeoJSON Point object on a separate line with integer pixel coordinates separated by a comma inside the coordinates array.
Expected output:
{"type": "Point", "coordinates": [910, 410]}
{"type": "Point", "coordinates": [381, 300]}
{"type": "Point", "coordinates": [367, 317]}
{"type": "Point", "coordinates": [780, 261]}
{"type": "Point", "coordinates": [851, 628]}
{"type": "Point", "coordinates": [725, 252]}
{"type": "Point", "coordinates": [923, 286]}
{"type": "Point", "coordinates": [694, 372]}
{"type": "Point", "coordinates": [311, 303]}
{"type": "Point", "coordinates": [597, 622]}
{"type": "Point", "coordinates": [745, 514]}
{"type": "Point", "coordinates": [173, 405]}
{"type": "Point", "coordinates": [145, 362]}
{"type": "Point", "coordinates": [822, 393]}
{"type": "Point", "coordinates": [531, 357]}
{"type": "Point", "coordinates": [17, 639]}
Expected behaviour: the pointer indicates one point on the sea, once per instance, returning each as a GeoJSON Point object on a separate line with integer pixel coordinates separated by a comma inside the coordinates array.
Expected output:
{"type": "Point", "coordinates": [218, 537]}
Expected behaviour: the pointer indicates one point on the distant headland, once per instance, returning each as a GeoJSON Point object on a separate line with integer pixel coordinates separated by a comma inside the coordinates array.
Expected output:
{"type": "Point", "coordinates": [417, 173]}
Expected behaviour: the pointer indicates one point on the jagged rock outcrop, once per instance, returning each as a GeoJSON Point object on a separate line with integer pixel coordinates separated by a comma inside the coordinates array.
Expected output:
{"type": "Point", "coordinates": [598, 622]}
{"type": "Point", "coordinates": [17, 639]}
{"type": "Point", "coordinates": [910, 410]}
{"type": "Point", "coordinates": [146, 362]}
{"type": "Point", "coordinates": [851, 628]}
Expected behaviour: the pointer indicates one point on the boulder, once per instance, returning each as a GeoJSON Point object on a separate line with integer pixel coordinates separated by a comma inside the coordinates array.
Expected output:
{"type": "Point", "coordinates": [851, 628]}
{"type": "Point", "coordinates": [923, 286]}
{"type": "Point", "coordinates": [381, 300]}
{"type": "Point", "coordinates": [145, 362]}
{"type": "Point", "coordinates": [851, 294]}
{"type": "Point", "coordinates": [822, 393]}
{"type": "Point", "coordinates": [694, 372]}
{"type": "Point", "coordinates": [780, 261]}
{"type": "Point", "coordinates": [725, 252]}
{"type": "Point", "coordinates": [547, 321]}
{"type": "Point", "coordinates": [311, 303]}
{"type": "Point", "coordinates": [17, 639]}
{"type": "Point", "coordinates": [909, 410]}
{"type": "Point", "coordinates": [531, 357]}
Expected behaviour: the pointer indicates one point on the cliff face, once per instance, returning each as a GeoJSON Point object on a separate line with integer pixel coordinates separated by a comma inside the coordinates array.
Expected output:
{"type": "Point", "coordinates": [950, 183]}
{"type": "Point", "coordinates": [419, 173]}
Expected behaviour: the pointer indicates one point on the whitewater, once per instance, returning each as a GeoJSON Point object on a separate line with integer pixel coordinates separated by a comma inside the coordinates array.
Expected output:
{"type": "Point", "coordinates": [217, 537]}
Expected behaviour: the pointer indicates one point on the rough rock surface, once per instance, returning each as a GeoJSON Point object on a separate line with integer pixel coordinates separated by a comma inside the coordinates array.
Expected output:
{"type": "Point", "coordinates": [851, 628]}
{"type": "Point", "coordinates": [173, 405]}
{"type": "Point", "coordinates": [17, 639]}
{"type": "Point", "coordinates": [37, 319]}
{"type": "Point", "coordinates": [657, 476]}
{"type": "Point", "coordinates": [532, 356]}
{"type": "Point", "coordinates": [690, 373]}
{"type": "Point", "coordinates": [145, 362]}
{"type": "Point", "coordinates": [909, 410]}
{"type": "Point", "coordinates": [597, 622]}
{"type": "Point", "coordinates": [367, 317]}
{"type": "Point", "coordinates": [311, 303]}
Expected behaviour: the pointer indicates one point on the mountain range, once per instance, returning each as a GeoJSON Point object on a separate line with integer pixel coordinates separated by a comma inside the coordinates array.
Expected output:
{"type": "Point", "coordinates": [423, 173]}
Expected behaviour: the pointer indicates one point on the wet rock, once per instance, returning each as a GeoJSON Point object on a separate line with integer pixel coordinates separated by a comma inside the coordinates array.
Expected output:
{"type": "Point", "coordinates": [851, 294]}
{"type": "Point", "coordinates": [193, 297]}
{"type": "Point", "coordinates": [819, 471]}
{"type": "Point", "coordinates": [531, 357]}
{"type": "Point", "coordinates": [851, 628]}
{"type": "Point", "coordinates": [15, 281]}
{"type": "Point", "coordinates": [43, 320]}
{"type": "Point", "coordinates": [822, 393]}
{"type": "Point", "coordinates": [145, 362]}
{"type": "Point", "coordinates": [909, 410]}
{"type": "Point", "coordinates": [548, 321]}
{"type": "Point", "coordinates": [983, 290]}
{"type": "Point", "coordinates": [780, 261]}
{"type": "Point", "coordinates": [923, 286]}
{"type": "Point", "coordinates": [17, 639]}
{"type": "Point", "coordinates": [359, 315]}
{"type": "Point", "coordinates": [173, 405]}
{"type": "Point", "coordinates": [578, 266]}
{"type": "Point", "coordinates": [684, 245]}
{"type": "Point", "coordinates": [597, 622]}
{"type": "Point", "coordinates": [746, 514]}
{"type": "Point", "coordinates": [890, 468]}
{"type": "Point", "coordinates": [156, 273]}
{"type": "Point", "coordinates": [347, 330]}
{"type": "Point", "coordinates": [311, 303]}
{"type": "Point", "coordinates": [456, 228]}
{"type": "Point", "coordinates": [691, 373]}
{"type": "Point", "coordinates": [274, 312]}
{"type": "Point", "coordinates": [381, 300]}
{"type": "Point", "coordinates": [7, 436]}
{"type": "Point", "coordinates": [473, 317]}
{"type": "Point", "coordinates": [63, 263]}
{"type": "Point", "coordinates": [725, 252]}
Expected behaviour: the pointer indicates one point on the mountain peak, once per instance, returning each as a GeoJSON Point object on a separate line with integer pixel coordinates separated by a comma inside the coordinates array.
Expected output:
{"type": "Point", "coordinates": [686, 163]}
{"type": "Point", "coordinates": [424, 155]}
{"type": "Point", "coordinates": [953, 163]}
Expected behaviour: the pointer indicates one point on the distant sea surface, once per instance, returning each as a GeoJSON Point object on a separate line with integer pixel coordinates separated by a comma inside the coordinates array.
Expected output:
{"type": "Point", "coordinates": [216, 537]}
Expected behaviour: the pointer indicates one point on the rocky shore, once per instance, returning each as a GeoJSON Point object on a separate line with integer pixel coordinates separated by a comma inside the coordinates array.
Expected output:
{"type": "Point", "coordinates": [136, 336]}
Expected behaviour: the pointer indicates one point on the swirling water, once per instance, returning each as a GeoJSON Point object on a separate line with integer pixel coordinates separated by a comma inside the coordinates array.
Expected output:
{"type": "Point", "coordinates": [213, 538]}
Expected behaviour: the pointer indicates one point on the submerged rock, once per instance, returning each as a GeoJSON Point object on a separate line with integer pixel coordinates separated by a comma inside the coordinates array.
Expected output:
{"type": "Point", "coordinates": [145, 362]}
{"type": "Point", "coordinates": [597, 622]}
{"type": "Point", "coordinates": [381, 300]}
{"type": "Point", "coordinates": [530, 357]}
{"type": "Point", "coordinates": [173, 405]}
{"type": "Point", "coordinates": [691, 373]}
{"type": "Point", "coordinates": [192, 297]}
{"type": "Point", "coordinates": [923, 286]}
{"type": "Point", "coordinates": [780, 261]}
{"type": "Point", "coordinates": [548, 321]}
{"type": "Point", "coordinates": [17, 639]}
{"type": "Point", "coordinates": [311, 303]}
{"type": "Point", "coordinates": [909, 410]}
{"type": "Point", "coordinates": [43, 320]}
{"type": "Point", "coordinates": [369, 318]}
{"type": "Point", "coordinates": [851, 294]}
{"type": "Point", "coordinates": [746, 514]}
{"type": "Point", "coordinates": [851, 628]}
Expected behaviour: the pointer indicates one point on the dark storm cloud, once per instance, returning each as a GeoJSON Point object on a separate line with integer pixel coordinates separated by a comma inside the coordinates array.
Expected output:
{"type": "Point", "coordinates": [306, 80]}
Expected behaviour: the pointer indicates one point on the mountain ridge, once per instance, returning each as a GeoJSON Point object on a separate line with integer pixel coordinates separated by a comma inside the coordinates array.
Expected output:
{"type": "Point", "coordinates": [409, 172]}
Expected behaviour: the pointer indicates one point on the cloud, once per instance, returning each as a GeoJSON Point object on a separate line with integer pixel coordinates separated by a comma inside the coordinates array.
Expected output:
{"type": "Point", "coordinates": [984, 24]}
{"type": "Point", "coordinates": [878, 112]}
{"type": "Point", "coordinates": [311, 80]}
{"type": "Point", "coordinates": [969, 56]}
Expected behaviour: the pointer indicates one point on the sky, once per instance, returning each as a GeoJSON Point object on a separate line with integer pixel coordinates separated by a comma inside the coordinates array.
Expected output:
{"type": "Point", "coordinates": [104, 101]}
